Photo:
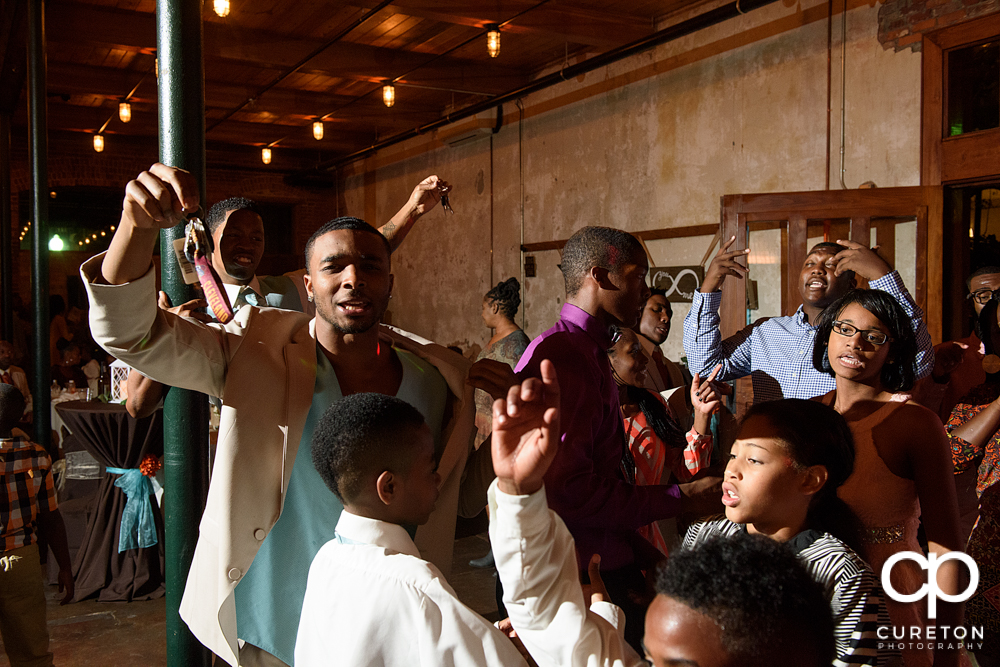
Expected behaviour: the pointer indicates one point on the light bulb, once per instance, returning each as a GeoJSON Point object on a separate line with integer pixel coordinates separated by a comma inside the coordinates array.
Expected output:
{"type": "Point", "coordinates": [318, 129]}
{"type": "Point", "coordinates": [221, 8]}
{"type": "Point", "coordinates": [389, 94]}
{"type": "Point", "coordinates": [493, 40]}
{"type": "Point", "coordinates": [55, 243]}
{"type": "Point", "coordinates": [98, 142]}
{"type": "Point", "coordinates": [265, 155]}
{"type": "Point", "coordinates": [125, 112]}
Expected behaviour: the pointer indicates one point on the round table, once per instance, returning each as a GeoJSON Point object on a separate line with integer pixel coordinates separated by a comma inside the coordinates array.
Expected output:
{"type": "Point", "coordinates": [116, 440]}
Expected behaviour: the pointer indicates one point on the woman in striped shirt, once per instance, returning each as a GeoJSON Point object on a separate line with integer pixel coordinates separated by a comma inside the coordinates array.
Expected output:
{"type": "Point", "coordinates": [784, 469]}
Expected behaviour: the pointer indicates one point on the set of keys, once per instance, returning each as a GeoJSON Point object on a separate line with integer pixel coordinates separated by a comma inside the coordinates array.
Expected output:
{"type": "Point", "coordinates": [197, 249]}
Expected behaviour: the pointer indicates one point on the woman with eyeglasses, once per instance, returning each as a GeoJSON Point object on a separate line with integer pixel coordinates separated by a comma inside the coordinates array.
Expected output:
{"type": "Point", "coordinates": [902, 472]}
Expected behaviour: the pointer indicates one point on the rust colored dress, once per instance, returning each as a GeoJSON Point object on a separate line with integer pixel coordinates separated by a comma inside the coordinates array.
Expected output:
{"type": "Point", "coordinates": [889, 511]}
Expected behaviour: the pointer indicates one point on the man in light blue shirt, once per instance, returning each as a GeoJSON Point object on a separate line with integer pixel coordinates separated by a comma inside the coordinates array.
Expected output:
{"type": "Point", "coordinates": [777, 352]}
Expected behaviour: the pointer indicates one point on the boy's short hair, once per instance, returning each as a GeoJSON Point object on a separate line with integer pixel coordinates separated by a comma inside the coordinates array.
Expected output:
{"type": "Point", "coordinates": [359, 437]}
{"type": "Point", "coordinates": [217, 214]}
{"type": "Point", "coordinates": [605, 247]}
{"type": "Point", "coordinates": [758, 593]}
{"type": "Point", "coordinates": [11, 407]}
{"type": "Point", "coordinates": [344, 222]}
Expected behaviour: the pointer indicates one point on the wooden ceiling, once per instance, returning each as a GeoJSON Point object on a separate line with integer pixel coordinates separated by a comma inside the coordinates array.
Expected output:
{"type": "Point", "coordinates": [272, 67]}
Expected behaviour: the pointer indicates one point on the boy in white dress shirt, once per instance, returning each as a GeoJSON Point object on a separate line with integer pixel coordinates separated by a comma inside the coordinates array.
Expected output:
{"type": "Point", "coordinates": [370, 598]}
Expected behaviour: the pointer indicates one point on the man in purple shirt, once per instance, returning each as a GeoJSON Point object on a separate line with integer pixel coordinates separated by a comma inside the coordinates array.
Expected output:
{"type": "Point", "coordinates": [590, 485]}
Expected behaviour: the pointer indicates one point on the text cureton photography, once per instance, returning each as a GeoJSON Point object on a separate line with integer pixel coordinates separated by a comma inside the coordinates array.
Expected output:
{"type": "Point", "coordinates": [932, 637]}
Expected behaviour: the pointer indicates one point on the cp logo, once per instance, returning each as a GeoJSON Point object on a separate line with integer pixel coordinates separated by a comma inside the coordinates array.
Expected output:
{"type": "Point", "coordinates": [930, 590]}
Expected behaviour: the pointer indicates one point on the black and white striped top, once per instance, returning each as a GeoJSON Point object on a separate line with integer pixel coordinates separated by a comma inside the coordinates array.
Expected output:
{"type": "Point", "coordinates": [853, 589]}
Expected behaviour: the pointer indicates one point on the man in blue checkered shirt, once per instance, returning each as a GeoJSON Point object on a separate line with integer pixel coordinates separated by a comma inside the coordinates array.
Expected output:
{"type": "Point", "coordinates": [777, 352]}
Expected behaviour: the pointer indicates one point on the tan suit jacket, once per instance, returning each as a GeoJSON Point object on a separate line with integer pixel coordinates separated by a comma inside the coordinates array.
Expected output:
{"type": "Point", "coordinates": [263, 366]}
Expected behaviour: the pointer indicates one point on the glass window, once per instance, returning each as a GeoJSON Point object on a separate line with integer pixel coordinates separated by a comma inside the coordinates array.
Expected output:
{"type": "Point", "coordinates": [973, 88]}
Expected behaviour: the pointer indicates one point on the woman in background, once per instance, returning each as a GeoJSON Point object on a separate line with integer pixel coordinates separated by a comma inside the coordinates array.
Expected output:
{"type": "Point", "coordinates": [506, 346]}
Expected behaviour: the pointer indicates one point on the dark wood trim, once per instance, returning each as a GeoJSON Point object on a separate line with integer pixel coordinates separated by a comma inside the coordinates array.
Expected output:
{"type": "Point", "coordinates": [798, 234]}
{"type": "Point", "coordinates": [931, 112]}
{"type": "Point", "coordinates": [922, 260]}
{"type": "Point", "coordinates": [972, 157]}
{"type": "Point", "coordinates": [785, 247]}
{"type": "Point", "coordinates": [885, 238]}
{"type": "Point", "coordinates": [966, 158]}
{"type": "Point", "coordinates": [968, 32]}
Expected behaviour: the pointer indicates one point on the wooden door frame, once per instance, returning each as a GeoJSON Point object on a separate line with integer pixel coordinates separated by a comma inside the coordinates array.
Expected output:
{"type": "Point", "coordinates": [969, 157]}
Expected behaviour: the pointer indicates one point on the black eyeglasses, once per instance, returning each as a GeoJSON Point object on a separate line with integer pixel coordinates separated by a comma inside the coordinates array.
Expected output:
{"type": "Point", "coordinates": [873, 336]}
{"type": "Point", "coordinates": [983, 296]}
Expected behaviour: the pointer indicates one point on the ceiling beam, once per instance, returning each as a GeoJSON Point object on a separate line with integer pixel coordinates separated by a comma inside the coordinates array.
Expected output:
{"type": "Point", "coordinates": [135, 31]}
{"type": "Point", "coordinates": [580, 26]}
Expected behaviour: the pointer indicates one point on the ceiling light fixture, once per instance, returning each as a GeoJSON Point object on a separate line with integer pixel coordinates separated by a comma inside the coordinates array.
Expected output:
{"type": "Point", "coordinates": [493, 40]}
{"type": "Point", "coordinates": [265, 155]}
{"type": "Point", "coordinates": [389, 94]}
{"type": "Point", "coordinates": [221, 8]}
{"type": "Point", "coordinates": [318, 129]}
{"type": "Point", "coordinates": [98, 143]}
{"type": "Point", "coordinates": [125, 112]}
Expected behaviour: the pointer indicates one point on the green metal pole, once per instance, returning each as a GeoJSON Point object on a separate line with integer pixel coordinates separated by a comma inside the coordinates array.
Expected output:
{"type": "Point", "coordinates": [185, 413]}
{"type": "Point", "coordinates": [6, 231]}
{"type": "Point", "coordinates": [39, 221]}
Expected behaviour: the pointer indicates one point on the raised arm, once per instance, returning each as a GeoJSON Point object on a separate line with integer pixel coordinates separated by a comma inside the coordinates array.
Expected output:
{"type": "Point", "coordinates": [424, 197]}
{"type": "Point", "coordinates": [156, 199]}
{"type": "Point", "coordinates": [867, 263]}
{"type": "Point", "coordinates": [124, 317]}
{"type": "Point", "coordinates": [703, 342]}
{"type": "Point", "coordinates": [534, 552]}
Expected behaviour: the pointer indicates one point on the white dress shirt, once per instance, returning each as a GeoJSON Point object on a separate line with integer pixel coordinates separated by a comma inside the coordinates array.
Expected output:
{"type": "Point", "coordinates": [536, 559]}
{"type": "Point", "coordinates": [371, 600]}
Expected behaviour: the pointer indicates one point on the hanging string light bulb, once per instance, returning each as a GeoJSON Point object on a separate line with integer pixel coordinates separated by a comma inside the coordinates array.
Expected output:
{"type": "Point", "coordinates": [318, 130]}
{"type": "Point", "coordinates": [125, 112]}
{"type": "Point", "coordinates": [221, 8]}
{"type": "Point", "coordinates": [493, 40]}
{"type": "Point", "coordinates": [265, 155]}
{"type": "Point", "coordinates": [98, 143]}
{"type": "Point", "coordinates": [389, 94]}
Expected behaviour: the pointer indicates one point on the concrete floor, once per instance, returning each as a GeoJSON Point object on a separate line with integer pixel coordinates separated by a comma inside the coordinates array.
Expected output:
{"type": "Point", "coordinates": [99, 634]}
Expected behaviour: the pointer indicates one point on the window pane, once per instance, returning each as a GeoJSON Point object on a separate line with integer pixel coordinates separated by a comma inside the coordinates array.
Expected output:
{"type": "Point", "coordinates": [973, 88]}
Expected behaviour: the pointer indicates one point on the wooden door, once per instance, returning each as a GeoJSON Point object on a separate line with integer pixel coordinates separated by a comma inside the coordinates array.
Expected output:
{"type": "Point", "coordinates": [839, 213]}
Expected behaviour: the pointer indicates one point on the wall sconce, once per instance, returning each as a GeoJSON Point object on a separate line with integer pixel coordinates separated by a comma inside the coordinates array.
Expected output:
{"type": "Point", "coordinates": [221, 8]}
{"type": "Point", "coordinates": [125, 112]}
{"type": "Point", "coordinates": [493, 40]}
{"type": "Point", "coordinates": [265, 155]}
{"type": "Point", "coordinates": [98, 143]}
{"type": "Point", "coordinates": [389, 94]}
{"type": "Point", "coordinates": [318, 130]}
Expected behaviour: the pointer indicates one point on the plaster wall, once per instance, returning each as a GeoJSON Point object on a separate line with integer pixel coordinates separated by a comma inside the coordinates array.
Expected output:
{"type": "Point", "coordinates": [648, 143]}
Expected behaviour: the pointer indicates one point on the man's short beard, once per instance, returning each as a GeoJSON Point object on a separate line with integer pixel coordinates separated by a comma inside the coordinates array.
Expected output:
{"type": "Point", "coordinates": [354, 327]}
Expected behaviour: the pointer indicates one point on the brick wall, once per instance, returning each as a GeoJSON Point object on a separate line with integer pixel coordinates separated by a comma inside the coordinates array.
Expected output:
{"type": "Point", "coordinates": [902, 23]}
